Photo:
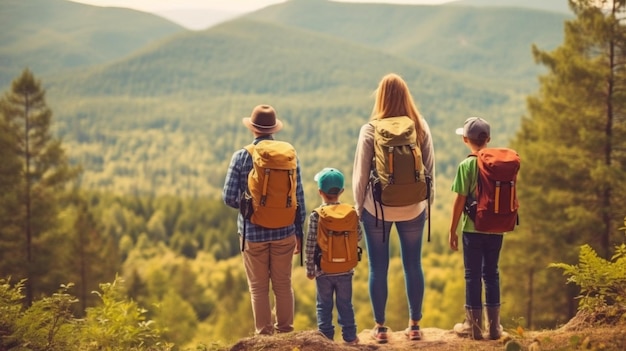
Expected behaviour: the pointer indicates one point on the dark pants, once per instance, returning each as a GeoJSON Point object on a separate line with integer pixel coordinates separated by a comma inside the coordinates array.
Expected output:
{"type": "Point", "coordinates": [481, 253]}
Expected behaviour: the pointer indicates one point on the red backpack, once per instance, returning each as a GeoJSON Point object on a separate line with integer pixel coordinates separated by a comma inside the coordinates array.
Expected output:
{"type": "Point", "coordinates": [495, 207]}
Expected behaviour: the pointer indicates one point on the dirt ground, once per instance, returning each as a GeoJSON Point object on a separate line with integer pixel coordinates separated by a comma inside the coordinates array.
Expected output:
{"type": "Point", "coordinates": [581, 337]}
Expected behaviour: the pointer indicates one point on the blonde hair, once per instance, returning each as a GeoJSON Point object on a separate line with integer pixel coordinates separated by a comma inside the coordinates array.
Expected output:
{"type": "Point", "coordinates": [394, 99]}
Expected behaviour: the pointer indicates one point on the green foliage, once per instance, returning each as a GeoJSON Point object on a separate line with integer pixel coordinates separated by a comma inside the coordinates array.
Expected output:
{"type": "Point", "coordinates": [602, 282]}
{"type": "Point", "coordinates": [38, 182]}
{"type": "Point", "coordinates": [47, 325]}
{"type": "Point", "coordinates": [10, 309]}
{"type": "Point", "coordinates": [571, 143]}
{"type": "Point", "coordinates": [119, 324]}
{"type": "Point", "coordinates": [116, 324]}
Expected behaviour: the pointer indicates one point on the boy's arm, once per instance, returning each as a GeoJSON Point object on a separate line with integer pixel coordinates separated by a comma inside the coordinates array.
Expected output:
{"type": "Point", "coordinates": [457, 211]}
{"type": "Point", "coordinates": [301, 215]}
{"type": "Point", "coordinates": [311, 242]}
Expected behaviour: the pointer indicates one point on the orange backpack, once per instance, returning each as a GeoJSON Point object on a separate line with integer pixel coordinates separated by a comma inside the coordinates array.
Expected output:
{"type": "Point", "coordinates": [495, 205]}
{"type": "Point", "coordinates": [272, 184]}
{"type": "Point", "coordinates": [337, 238]}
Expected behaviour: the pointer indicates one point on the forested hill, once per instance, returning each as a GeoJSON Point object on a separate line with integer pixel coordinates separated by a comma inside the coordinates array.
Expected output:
{"type": "Point", "coordinates": [165, 117]}
{"type": "Point", "coordinates": [561, 6]}
{"type": "Point", "coordinates": [488, 41]}
{"type": "Point", "coordinates": [56, 35]}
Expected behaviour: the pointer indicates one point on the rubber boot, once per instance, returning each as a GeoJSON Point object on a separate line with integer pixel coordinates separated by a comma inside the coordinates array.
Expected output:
{"type": "Point", "coordinates": [493, 320]}
{"type": "Point", "coordinates": [472, 326]}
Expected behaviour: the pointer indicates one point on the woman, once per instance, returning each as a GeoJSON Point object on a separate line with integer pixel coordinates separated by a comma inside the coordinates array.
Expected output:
{"type": "Point", "coordinates": [393, 99]}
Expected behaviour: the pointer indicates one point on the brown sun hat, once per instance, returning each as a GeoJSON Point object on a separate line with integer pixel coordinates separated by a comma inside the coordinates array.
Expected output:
{"type": "Point", "coordinates": [263, 120]}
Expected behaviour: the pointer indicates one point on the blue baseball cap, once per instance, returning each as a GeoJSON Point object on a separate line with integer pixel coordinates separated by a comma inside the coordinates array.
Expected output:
{"type": "Point", "coordinates": [329, 180]}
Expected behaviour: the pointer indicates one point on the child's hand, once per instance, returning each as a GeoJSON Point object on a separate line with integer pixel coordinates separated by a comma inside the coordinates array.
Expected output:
{"type": "Point", "coordinates": [453, 240]}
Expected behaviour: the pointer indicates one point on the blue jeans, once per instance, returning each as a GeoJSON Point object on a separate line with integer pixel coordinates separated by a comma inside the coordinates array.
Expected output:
{"type": "Point", "coordinates": [410, 235]}
{"type": "Point", "coordinates": [339, 286]}
{"type": "Point", "coordinates": [481, 253]}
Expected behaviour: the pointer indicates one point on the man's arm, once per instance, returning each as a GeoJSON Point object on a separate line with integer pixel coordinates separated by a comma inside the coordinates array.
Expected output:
{"type": "Point", "coordinates": [232, 186]}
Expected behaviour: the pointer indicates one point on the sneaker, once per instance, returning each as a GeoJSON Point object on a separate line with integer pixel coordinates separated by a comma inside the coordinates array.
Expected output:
{"type": "Point", "coordinates": [413, 332]}
{"type": "Point", "coordinates": [380, 334]}
{"type": "Point", "coordinates": [351, 343]}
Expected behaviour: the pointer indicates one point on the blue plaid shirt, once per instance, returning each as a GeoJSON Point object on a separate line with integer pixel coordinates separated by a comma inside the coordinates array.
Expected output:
{"type": "Point", "coordinates": [237, 183]}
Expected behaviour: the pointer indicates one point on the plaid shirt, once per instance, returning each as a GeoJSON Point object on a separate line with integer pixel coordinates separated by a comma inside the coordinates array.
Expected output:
{"type": "Point", "coordinates": [311, 243]}
{"type": "Point", "coordinates": [237, 183]}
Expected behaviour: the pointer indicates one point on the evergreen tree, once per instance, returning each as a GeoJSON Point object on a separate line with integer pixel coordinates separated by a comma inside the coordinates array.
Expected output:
{"type": "Point", "coordinates": [573, 143]}
{"type": "Point", "coordinates": [10, 228]}
{"type": "Point", "coordinates": [43, 172]}
{"type": "Point", "coordinates": [92, 257]}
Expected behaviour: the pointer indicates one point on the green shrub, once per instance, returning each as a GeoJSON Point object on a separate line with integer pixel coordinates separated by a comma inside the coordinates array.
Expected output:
{"type": "Point", "coordinates": [10, 310]}
{"type": "Point", "coordinates": [48, 325]}
{"type": "Point", "coordinates": [602, 282]}
{"type": "Point", "coordinates": [116, 324]}
{"type": "Point", "coordinates": [119, 324]}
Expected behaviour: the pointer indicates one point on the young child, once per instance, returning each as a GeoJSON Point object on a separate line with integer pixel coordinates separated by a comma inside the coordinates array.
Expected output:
{"type": "Point", "coordinates": [481, 251]}
{"type": "Point", "coordinates": [337, 283]}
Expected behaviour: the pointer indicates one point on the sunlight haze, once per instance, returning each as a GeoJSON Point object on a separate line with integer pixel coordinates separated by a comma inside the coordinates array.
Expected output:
{"type": "Point", "coordinates": [201, 14]}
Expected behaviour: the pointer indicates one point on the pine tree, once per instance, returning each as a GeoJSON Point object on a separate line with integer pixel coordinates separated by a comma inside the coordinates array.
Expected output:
{"type": "Point", "coordinates": [44, 172]}
{"type": "Point", "coordinates": [573, 142]}
{"type": "Point", "coordinates": [10, 228]}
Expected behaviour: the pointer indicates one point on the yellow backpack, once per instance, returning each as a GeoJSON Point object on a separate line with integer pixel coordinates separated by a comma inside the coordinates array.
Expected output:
{"type": "Point", "coordinates": [272, 184]}
{"type": "Point", "coordinates": [337, 238]}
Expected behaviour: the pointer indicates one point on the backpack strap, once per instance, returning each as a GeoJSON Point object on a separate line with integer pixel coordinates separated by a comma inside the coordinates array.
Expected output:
{"type": "Point", "coordinates": [249, 148]}
{"type": "Point", "coordinates": [415, 157]}
{"type": "Point", "coordinates": [428, 185]}
{"type": "Point", "coordinates": [390, 163]}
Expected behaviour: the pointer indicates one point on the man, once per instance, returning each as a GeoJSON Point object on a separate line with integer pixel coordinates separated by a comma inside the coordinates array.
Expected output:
{"type": "Point", "coordinates": [267, 251]}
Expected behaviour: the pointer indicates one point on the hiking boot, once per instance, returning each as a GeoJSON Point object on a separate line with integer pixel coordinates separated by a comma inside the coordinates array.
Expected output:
{"type": "Point", "coordinates": [352, 343]}
{"type": "Point", "coordinates": [472, 326]}
{"type": "Point", "coordinates": [380, 334]}
{"type": "Point", "coordinates": [413, 332]}
{"type": "Point", "coordinates": [493, 321]}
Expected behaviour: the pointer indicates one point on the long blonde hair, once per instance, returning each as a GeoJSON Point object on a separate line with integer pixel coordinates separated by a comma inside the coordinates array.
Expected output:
{"type": "Point", "coordinates": [393, 99]}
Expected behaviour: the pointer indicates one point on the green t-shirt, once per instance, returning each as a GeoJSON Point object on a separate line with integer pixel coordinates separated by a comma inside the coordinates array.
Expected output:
{"type": "Point", "coordinates": [465, 183]}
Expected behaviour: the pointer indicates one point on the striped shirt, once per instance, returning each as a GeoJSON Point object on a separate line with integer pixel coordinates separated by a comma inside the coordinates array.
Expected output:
{"type": "Point", "coordinates": [236, 183]}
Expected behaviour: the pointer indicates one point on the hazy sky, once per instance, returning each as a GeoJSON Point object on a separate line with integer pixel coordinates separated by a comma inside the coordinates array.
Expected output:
{"type": "Point", "coordinates": [201, 14]}
{"type": "Point", "coordinates": [224, 5]}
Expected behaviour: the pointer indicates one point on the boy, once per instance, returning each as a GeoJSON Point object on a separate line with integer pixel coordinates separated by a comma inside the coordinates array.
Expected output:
{"type": "Point", "coordinates": [330, 183]}
{"type": "Point", "coordinates": [481, 251]}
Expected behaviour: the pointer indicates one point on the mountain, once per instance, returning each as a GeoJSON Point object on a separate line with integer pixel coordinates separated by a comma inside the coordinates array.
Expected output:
{"type": "Point", "coordinates": [165, 117]}
{"type": "Point", "coordinates": [560, 6]}
{"type": "Point", "coordinates": [489, 42]}
{"type": "Point", "coordinates": [197, 18]}
{"type": "Point", "coordinates": [55, 35]}
{"type": "Point", "coordinates": [197, 86]}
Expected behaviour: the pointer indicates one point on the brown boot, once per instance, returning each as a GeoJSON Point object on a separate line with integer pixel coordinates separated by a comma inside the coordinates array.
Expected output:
{"type": "Point", "coordinates": [472, 326]}
{"type": "Point", "coordinates": [493, 320]}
